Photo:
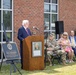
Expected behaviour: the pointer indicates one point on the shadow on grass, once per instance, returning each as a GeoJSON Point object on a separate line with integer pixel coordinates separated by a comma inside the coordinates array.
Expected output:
{"type": "Point", "coordinates": [53, 68]}
{"type": "Point", "coordinates": [47, 70]}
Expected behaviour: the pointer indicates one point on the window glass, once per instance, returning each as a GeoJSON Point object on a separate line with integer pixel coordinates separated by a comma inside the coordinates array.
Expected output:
{"type": "Point", "coordinates": [7, 19]}
{"type": "Point", "coordinates": [54, 1]}
{"type": "Point", "coordinates": [46, 18]}
{"type": "Point", "coordinates": [53, 26]}
{"type": "Point", "coordinates": [54, 8]}
{"type": "Point", "coordinates": [0, 19]}
{"type": "Point", "coordinates": [7, 4]}
{"type": "Point", "coordinates": [9, 36]}
{"type": "Point", "coordinates": [46, 8]}
{"type": "Point", "coordinates": [0, 3]}
{"type": "Point", "coordinates": [0, 51]}
{"type": "Point", "coordinates": [54, 18]}
{"type": "Point", "coordinates": [0, 36]}
{"type": "Point", "coordinates": [47, 1]}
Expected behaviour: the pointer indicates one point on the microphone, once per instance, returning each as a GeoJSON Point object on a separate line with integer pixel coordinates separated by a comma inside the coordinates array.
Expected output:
{"type": "Point", "coordinates": [34, 27]}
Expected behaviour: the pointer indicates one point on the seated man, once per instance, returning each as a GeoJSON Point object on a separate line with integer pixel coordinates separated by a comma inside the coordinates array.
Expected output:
{"type": "Point", "coordinates": [73, 41]}
{"type": "Point", "coordinates": [54, 47]}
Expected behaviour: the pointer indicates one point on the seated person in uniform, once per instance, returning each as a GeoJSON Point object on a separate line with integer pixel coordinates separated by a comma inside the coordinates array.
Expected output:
{"type": "Point", "coordinates": [54, 47]}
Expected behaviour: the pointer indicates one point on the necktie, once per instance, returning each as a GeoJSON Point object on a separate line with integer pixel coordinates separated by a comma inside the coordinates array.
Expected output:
{"type": "Point", "coordinates": [27, 31]}
{"type": "Point", "coordinates": [73, 42]}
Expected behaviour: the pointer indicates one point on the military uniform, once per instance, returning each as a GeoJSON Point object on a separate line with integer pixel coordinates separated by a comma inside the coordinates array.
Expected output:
{"type": "Point", "coordinates": [53, 47]}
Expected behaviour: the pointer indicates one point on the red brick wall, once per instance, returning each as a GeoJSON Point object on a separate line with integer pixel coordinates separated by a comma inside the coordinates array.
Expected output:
{"type": "Point", "coordinates": [67, 13]}
{"type": "Point", "coordinates": [33, 10]}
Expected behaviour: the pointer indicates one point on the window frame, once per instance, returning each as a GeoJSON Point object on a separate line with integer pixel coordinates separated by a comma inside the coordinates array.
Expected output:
{"type": "Point", "coordinates": [51, 13]}
{"type": "Point", "coordinates": [1, 31]}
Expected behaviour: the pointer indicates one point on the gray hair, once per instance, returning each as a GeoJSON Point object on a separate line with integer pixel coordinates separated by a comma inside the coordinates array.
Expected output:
{"type": "Point", "coordinates": [72, 31]}
{"type": "Point", "coordinates": [24, 22]}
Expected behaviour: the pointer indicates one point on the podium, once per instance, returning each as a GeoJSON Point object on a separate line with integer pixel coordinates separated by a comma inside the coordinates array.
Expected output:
{"type": "Point", "coordinates": [30, 60]}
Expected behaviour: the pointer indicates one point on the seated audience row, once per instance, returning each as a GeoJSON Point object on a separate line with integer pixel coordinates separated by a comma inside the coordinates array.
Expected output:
{"type": "Point", "coordinates": [65, 45]}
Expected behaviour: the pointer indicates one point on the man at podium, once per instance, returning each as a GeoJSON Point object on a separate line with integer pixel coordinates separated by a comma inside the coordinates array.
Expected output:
{"type": "Point", "coordinates": [23, 32]}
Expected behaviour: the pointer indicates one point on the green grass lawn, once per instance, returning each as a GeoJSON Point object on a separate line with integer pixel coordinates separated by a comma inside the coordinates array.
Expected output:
{"type": "Point", "coordinates": [70, 69]}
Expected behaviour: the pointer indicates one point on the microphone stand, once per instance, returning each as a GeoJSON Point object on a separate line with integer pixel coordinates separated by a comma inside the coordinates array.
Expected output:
{"type": "Point", "coordinates": [45, 52]}
{"type": "Point", "coordinates": [46, 33]}
{"type": "Point", "coordinates": [7, 40]}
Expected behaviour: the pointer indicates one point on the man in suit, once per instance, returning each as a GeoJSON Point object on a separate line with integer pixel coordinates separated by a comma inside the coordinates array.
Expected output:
{"type": "Point", "coordinates": [23, 32]}
{"type": "Point", "coordinates": [73, 41]}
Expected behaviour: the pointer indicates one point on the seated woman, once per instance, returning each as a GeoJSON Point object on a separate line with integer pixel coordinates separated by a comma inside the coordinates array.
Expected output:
{"type": "Point", "coordinates": [64, 42]}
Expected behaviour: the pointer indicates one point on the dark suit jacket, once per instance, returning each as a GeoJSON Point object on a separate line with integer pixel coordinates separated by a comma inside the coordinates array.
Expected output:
{"type": "Point", "coordinates": [22, 34]}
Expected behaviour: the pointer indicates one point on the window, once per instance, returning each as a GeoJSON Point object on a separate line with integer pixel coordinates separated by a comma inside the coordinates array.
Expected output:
{"type": "Point", "coordinates": [54, 18]}
{"type": "Point", "coordinates": [54, 1]}
{"type": "Point", "coordinates": [0, 3]}
{"type": "Point", "coordinates": [50, 15]}
{"type": "Point", "coordinates": [46, 8]}
{"type": "Point", "coordinates": [46, 20]}
{"type": "Point", "coordinates": [7, 4]}
{"type": "Point", "coordinates": [47, 1]}
{"type": "Point", "coordinates": [54, 9]}
{"type": "Point", "coordinates": [6, 18]}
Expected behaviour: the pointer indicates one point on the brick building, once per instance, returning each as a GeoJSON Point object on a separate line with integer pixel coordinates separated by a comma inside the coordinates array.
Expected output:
{"type": "Point", "coordinates": [40, 13]}
{"type": "Point", "coordinates": [67, 14]}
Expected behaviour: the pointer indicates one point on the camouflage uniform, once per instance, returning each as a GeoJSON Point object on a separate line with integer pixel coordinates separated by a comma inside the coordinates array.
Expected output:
{"type": "Point", "coordinates": [55, 48]}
